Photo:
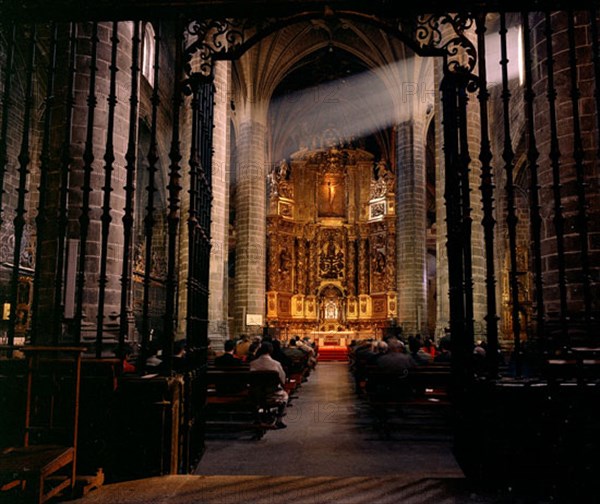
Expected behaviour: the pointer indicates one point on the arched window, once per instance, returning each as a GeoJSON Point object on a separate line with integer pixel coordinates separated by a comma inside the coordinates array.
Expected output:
{"type": "Point", "coordinates": [148, 54]}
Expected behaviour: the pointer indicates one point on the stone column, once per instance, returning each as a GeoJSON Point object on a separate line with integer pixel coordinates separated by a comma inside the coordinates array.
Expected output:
{"type": "Point", "coordinates": [218, 281]}
{"type": "Point", "coordinates": [250, 264]}
{"type": "Point", "coordinates": [411, 225]}
{"type": "Point", "coordinates": [442, 286]}
{"type": "Point", "coordinates": [117, 201]}
{"type": "Point", "coordinates": [578, 173]}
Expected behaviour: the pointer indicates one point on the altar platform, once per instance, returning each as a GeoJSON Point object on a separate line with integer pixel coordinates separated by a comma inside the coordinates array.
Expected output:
{"type": "Point", "coordinates": [331, 353]}
{"type": "Point", "coordinates": [338, 338]}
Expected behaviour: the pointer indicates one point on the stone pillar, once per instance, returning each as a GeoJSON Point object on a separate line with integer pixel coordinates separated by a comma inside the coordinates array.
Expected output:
{"type": "Point", "coordinates": [117, 203]}
{"type": "Point", "coordinates": [477, 242]}
{"type": "Point", "coordinates": [411, 230]}
{"type": "Point", "coordinates": [250, 264]}
{"type": "Point", "coordinates": [442, 286]}
{"type": "Point", "coordinates": [218, 281]}
{"type": "Point", "coordinates": [581, 298]}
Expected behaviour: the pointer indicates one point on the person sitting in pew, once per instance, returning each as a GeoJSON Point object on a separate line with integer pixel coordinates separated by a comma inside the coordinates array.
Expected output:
{"type": "Point", "coordinates": [180, 358]}
{"type": "Point", "coordinates": [264, 362]}
{"type": "Point", "coordinates": [443, 354]}
{"type": "Point", "coordinates": [420, 356]}
{"type": "Point", "coordinates": [242, 346]}
{"type": "Point", "coordinates": [253, 348]}
{"type": "Point", "coordinates": [228, 359]}
{"type": "Point", "coordinates": [126, 354]}
{"type": "Point", "coordinates": [395, 360]}
{"type": "Point", "coordinates": [280, 356]}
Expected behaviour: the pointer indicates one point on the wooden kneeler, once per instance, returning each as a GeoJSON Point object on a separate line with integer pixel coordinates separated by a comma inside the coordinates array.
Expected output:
{"type": "Point", "coordinates": [45, 466]}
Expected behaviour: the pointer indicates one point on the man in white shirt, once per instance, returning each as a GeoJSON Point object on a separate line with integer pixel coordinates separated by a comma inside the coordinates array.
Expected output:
{"type": "Point", "coordinates": [264, 362]}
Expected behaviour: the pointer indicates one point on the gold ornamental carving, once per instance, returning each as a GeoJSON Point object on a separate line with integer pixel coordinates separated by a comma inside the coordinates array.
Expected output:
{"type": "Point", "coordinates": [332, 266]}
{"type": "Point", "coordinates": [331, 257]}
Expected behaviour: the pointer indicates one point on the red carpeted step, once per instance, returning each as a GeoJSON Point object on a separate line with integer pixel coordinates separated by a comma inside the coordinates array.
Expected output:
{"type": "Point", "coordinates": [333, 353]}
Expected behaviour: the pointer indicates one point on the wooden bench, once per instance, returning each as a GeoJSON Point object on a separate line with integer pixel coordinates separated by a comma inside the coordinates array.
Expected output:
{"type": "Point", "coordinates": [238, 400]}
{"type": "Point", "coordinates": [423, 389]}
{"type": "Point", "coordinates": [44, 466]}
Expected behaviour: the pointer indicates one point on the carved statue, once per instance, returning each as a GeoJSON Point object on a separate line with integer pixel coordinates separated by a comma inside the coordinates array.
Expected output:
{"type": "Point", "coordinates": [384, 173]}
{"type": "Point", "coordinates": [283, 171]}
{"type": "Point", "coordinates": [332, 261]}
{"type": "Point", "coordinates": [284, 261]}
{"type": "Point", "coordinates": [379, 262]}
{"type": "Point", "coordinates": [278, 179]}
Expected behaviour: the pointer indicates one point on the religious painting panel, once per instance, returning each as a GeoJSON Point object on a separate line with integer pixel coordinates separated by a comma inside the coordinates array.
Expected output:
{"type": "Point", "coordinates": [379, 306]}
{"type": "Point", "coordinates": [332, 196]}
{"type": "Point", "coordinates": [284, 306]}
{"type": "Point", "coordinates": [331, 254]}
{"type": "Point", "coordinates": [379, 260]}
{"type": "Point", "coordinates": [298, 306]}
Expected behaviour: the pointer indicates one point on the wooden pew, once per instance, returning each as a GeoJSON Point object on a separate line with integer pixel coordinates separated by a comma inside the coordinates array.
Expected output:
{"type": "Point", "coordinates": [45, 465]}
{"type": "Point", "coordinates": [423, 389]}
{"type": "Point", "coordinates": [238, 400]}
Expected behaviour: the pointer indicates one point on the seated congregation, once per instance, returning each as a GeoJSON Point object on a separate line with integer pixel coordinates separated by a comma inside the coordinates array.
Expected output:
{"type": "Point", "coordinates": [398, 378]}
{"type": "Point", "coordinates": [250, 385]}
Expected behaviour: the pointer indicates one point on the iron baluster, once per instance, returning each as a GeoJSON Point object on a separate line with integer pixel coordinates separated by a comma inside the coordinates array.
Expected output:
{"type": "Point", "coordinates": [559, 220]}
{"type": "Point", "coordinates": [192, 222]}
{"type": "Point", "coordinates": [466, 219]}
{"type": "Point", "coordinates": [487, 198]}
{"type": "Point", "coordinates": [534, 187]}
{"type": "Point", "coordinates": [109, 159]}
{"type": "Point", "coordinates": [596, 51]}
{"type": "Point", "coordinates": [24, 160]}
{"type": "Point", "coordinates": [579, 157]}
{"type": "Point", "coordinates": [174, 188]}
{"type": "Point", "coordinates": [454, 244]}
{"type": "Point", "coordinates": [42, 214]}
{"type": "Point", "coordinates": [512, 220]}
{"type": "Point", "coordinates": [88, 159]}
{"type": "Point", "coordinates": [6, 103]}
{"type": "Point", "coordinates": [65, 168]}
{"type": "Point", "coordinates": [149, 220]}
{"type": "Point", "coordinates": [130, 158]}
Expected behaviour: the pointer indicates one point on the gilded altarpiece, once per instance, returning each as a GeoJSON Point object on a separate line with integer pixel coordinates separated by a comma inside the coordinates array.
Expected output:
{"type": "Point", "coordinates": [331, 245]}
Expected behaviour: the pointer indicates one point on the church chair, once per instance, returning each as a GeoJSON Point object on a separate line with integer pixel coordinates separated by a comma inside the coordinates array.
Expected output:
{"type": "Point", "coordinates": [45, 465]}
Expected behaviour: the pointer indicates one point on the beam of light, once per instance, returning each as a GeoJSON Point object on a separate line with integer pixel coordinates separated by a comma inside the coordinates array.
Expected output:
{"type": "Point", "coordinates": [493, 55]}
{"type": "Point", "coordinates": [362, 104]}
{"type": "Point", "coordinates": [355, 106]}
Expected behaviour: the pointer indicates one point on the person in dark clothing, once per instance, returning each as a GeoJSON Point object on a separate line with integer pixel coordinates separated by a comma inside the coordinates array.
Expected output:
{"type": "Point", "coordinates": [228, 359]}
{"type": "Point", "coordinates": [180, 360]}
{"type": "Point", "coordinates": [280, 356]}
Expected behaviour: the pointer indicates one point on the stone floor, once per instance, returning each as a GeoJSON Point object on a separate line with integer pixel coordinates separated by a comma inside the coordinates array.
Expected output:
{"type": "Point", "coordinates": [329, 453]}
{"type": "Point", "coordinates": [330, 433]}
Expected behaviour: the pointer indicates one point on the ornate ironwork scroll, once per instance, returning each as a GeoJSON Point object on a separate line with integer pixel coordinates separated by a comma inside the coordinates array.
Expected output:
{"type": "Point", "coordinates": [448, 32]}
{"type": "Point", "coordinates": [444, 35]}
